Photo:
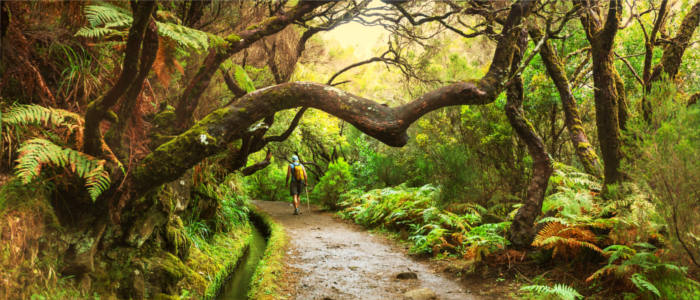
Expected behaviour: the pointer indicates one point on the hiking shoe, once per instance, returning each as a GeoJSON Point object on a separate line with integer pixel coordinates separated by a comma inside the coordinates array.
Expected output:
{"type": "Point", "coordinates": [296, 211]}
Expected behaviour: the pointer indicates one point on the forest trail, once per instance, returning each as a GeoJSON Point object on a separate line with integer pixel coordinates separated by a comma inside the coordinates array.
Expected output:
{"type": "Point", "coordinates": [332, 259]}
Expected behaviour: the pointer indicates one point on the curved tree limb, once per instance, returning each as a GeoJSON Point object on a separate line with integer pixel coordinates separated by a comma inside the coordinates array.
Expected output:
{"type": "Point", "coordinates": [673, 53]}
{"type": "Point", "coordinates": [213, 133]}
{"type": "Point", "coordinates": [189, 99]}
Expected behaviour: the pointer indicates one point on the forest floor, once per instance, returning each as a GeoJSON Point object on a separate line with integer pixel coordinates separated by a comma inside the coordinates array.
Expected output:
{"type": "Point", "coordinates": [329, 258]}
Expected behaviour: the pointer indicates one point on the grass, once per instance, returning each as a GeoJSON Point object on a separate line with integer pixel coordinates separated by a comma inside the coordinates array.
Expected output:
{"type": "Point", "coordinates": [214, 259]}
{"type": "Point", "coordinates": [265, 283]}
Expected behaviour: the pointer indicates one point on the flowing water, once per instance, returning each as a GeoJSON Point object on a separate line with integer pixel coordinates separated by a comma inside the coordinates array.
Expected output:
{"type": "Point", "coordinates": [238, 284]}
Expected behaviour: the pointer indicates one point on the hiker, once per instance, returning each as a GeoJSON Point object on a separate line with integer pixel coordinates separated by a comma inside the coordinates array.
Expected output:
{"type": "Point", "coordinates": [296, 171]}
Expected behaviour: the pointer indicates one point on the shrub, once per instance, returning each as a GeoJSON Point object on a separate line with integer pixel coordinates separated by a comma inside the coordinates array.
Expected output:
{"type": "Point", "coordinates": [431, 230]}
{"type": "Point", "coordinates": [268, 184]}
{"type": "Point", "coordinates": [336, 181]}
{"type": "Point", "coordinates": [665, 156]}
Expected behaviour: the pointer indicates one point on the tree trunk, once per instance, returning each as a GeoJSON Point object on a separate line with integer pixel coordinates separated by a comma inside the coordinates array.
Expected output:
{"type": "Point", "coordinates": [584, 150]}
{"type": "Point", "coordinates": [522, 230]}
{"type": "Point", "coordinates": [673, 52]}
{"type": "Point", "coordinates": [607, 88]}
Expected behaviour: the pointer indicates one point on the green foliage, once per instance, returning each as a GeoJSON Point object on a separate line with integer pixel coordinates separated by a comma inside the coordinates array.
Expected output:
{"type": "Point", "coordinates": [264, 283]}
{"type": "Point", "coordinates": [664, 157]}
{"type": "Point", "coordinates": [232, 210]}
{"type": "Point", "coordinates": [106, 21]}
{"type": "Point", "coordinates": [243, 80]}
{"type": "Point", "coordinates": [646, 272]}
{"type": "Point", "coordinates": [335, 181]}
{"type": "Point", "coordinates": [268, 184]}
{"type": "Point", "coordinates": [35, 115]}
{"type": "Point", "coordinates": [558, 291]}
{"type": "Point", "coordinates": [430, 229]}
{"type": "Point", "coordinates": [37, 153]}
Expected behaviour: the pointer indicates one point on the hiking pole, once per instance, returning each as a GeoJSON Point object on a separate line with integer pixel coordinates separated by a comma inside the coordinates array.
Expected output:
{"type": "Point", "coordinates": [308, 206]}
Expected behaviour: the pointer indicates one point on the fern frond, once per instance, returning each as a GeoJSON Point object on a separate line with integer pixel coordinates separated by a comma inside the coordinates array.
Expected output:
{"type": "Point", "coordinates": [107, 20]}
{"type": "Point", "coordinates": [184, 36]}
{"type": "Point", "coordinates": [243, 79]}
{"type": "Point", "coordinates": [562, 239]}
{"type": "Point", "coordinates": [105, 13]}
{"type": "Point", "coordinates": [23, 115]}
{"type": "Point", "coordinates": [35, 115]}
{"type": "Point", "coordinates": [36, 153]}
{"type": "Point", "coordinates": [561, 291]}
{"type": "Point", "coordinates": [641, 282]}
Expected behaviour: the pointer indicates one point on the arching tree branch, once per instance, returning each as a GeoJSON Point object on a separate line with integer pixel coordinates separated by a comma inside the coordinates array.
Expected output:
{"type": "Point", "coordinates": [212, 134]}
{"type": "Point", "coordinates": [189, 99]}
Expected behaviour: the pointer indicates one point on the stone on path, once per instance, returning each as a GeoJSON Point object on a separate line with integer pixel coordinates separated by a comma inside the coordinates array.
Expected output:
{"type": "Point", "coordinates": [420, 294]}
{"type": "Point", "coordinates": [407, 275]}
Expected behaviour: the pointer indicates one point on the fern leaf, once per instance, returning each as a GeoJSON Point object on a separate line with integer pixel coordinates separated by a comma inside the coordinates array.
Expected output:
{"type": "Point", "coordinates": [35, 115]}
{"type": "Point", "coordinates": [561, 291]}
{"type": "Point", "coordinates": [36, 153]}
{"type": "Point", "coordinates": [641, 282]}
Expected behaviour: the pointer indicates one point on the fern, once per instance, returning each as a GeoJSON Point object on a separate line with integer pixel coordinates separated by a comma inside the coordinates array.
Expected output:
{"type": "Point", "coordinates": [36, 153]}
{"type": "Point", "coordinates": [105, 20]}
{"type": "Point", "coordinates": [23, 115]}
{"type": "Point", "coordinates": [565, 239]}
{"type": "Point", "coordinates": [558, 291]}
{"type": "Point", "coordinates": [641, 282]}
{"type": "Point", "coordinates": [646, 272]}
{"type": "Point", "coordinates": [184, 36]}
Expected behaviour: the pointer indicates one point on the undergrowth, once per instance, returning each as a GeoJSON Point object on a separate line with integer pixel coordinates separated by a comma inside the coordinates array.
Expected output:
{"type": "Point", "coordinates": [430, 229]}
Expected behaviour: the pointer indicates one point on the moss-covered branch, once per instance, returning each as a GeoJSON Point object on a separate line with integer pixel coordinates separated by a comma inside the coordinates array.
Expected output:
{"type": "Point", "coordinates": [387, 124]}
{"type": "Point", "coordinates": [189, 99]}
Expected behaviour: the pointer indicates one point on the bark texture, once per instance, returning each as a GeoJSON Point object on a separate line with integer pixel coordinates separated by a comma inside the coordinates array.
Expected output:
{"type": "Point", "coordinates": [522, 230]}
{"type": "Point", "coordinates": [98, 109]}
{"type": "Point", "coordinates": [608, 90]}
{"type": "Point", "coordinates": [673, 52]}
{"type": "Point", "coordinates": [584, 150]}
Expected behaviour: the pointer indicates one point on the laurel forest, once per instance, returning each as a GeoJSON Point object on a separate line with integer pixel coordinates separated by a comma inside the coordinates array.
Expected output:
{"type": "Point", "coordinates": [549, 144]}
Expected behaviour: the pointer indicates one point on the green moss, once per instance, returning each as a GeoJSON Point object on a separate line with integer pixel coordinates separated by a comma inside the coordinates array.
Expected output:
{"type": "Point", "coordinates": [583, 145]}
{"type": "Point", "coordinates": [577, 127]}
{"type": "Point", "coordinates": [213, 260]}
{"type": "Point", "coordinates": [177, 241]}
{"type": "Point", "coordinates": [161, 296]}
{"type": "Point", "coordinates": [262, 24]}
{"type": "Point", "coordinates": [232, 38]}
{"type": "Point", "coordinates": [265, 283]}
{"type": "Point", "coordinates": [164, 119]}
{"type": "Point", "coordinates": [169, 265]}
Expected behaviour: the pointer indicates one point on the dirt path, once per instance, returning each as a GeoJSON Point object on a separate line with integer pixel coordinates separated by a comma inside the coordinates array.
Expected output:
{"type": "Point", "coordinates": [336, 260]}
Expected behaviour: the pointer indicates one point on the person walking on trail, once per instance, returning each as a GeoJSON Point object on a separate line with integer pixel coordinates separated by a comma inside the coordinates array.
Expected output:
{"type": "Point", "coordinates": [297, 172]}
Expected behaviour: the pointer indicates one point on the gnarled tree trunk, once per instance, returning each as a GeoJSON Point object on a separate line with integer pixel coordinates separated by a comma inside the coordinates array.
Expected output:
{"type": "Point", "coordinates": [607, 89]}
{"type": "Point", "coordinates": [522, 230]}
